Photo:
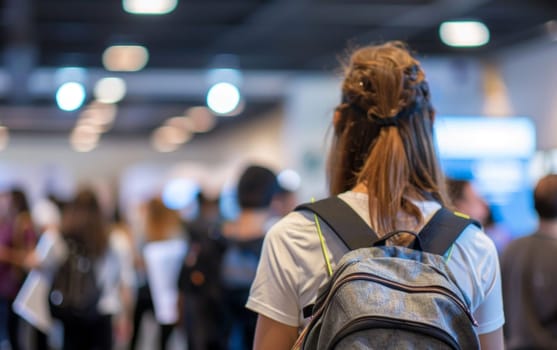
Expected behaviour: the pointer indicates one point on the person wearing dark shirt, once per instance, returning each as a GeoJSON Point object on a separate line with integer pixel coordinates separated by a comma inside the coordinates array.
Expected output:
{"type": "Point", "coordinates": [528, 277]}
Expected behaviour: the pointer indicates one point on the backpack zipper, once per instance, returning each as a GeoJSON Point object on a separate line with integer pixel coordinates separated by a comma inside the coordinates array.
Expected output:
{"type": "Point", "coordinates": [400, 286]}
{"type": "Point", "coordinates": [404, 287]}
{"type": "Point", "coordinates": [390, 323]}
{"type": "Point", "coordinates": [330, 286]}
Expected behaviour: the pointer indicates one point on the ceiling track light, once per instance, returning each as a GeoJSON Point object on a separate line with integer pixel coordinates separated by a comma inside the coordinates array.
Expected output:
{"type": "Point", "coordinates": [149, 7]}
{"type": "Point", "coordinates": [464, 33]}
{"type": "Point", "coordinates": [125, 58]}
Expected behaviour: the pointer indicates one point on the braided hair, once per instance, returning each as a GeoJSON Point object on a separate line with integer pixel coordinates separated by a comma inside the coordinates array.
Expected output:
{"type": "Point", "coordinates": [383, 135]}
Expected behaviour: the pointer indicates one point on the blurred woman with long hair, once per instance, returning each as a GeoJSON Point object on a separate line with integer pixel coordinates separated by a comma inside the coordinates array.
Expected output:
{"type": "Point", "coordinates": [83, 221]}
{"type": "Point", "coordinates": [383, 164]}
{"type": "Point", "coordinates": [17, 239]}
{"type": "Point", "coordinates": [161, 224]}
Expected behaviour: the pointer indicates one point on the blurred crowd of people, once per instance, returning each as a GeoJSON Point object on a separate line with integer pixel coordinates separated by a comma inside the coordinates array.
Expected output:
{"type": "Point", "coordinates": [193, 275]}
{"type": "Point", "coordinates": [190, 275]}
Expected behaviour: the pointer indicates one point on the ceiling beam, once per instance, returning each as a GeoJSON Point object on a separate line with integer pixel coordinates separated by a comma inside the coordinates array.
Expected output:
{"type": "Point", "coordinates": [268, 18]}
{"type": "Point", "coordinates": [421, 18]}
{"type": "Point", "coordinates": [166, 84]}
{"type": "Point", "coordinates": [20, 52]}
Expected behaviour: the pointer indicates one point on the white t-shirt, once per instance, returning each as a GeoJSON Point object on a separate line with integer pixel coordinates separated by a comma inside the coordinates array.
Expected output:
{"type": "Point", "coordinates": [292, 267]}
{"type": "Point", "coordinates": [114, 271]}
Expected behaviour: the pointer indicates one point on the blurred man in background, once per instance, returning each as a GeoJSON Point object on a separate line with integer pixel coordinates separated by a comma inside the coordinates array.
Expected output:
{"type": "Point", "coordinates": [528, 276]}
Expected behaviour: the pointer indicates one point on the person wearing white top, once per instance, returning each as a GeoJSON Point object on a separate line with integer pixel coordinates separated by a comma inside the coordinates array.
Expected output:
{"type": "Point", "coordinates": [383, 163]}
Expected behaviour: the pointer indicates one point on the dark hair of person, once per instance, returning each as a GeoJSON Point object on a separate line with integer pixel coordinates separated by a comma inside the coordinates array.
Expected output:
{"type": "Point", "coordinates": [19, 201]}
{"type": "Point", "coordinates": [545, 197]}
{"type": "Point", "coordinates": [456, 188]}
{"type": "Point", "coordinates": [21, 215]}
{"type": "Point", "coordinates": [83, 219]}
{"type": "Point", "coordinates": [257, 187]}
{"type": "Point", "coordinates": [383, 135]}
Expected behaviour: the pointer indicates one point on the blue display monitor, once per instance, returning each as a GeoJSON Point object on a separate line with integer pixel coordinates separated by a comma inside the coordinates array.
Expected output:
{"type": "Point", "coordinates": [482, 137]}
{"type": "Point", "coordinates": [495, 154]}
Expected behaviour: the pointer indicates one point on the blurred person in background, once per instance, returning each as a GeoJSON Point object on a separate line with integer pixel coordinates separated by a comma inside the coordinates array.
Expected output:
{"type": "Point", "coordinates": [83, 221]}
{"type": "Point", "coordinates": [162, 224]}
{"type": "Point", "coordinates": [529, 277]}
{"type": "Point", "coordinates": [495, 228]}
{"type": "Point", "coordinates": [284, 202]}
{"type": "Point", "coordinates": [45, 257]}
{"type": "Point", "coordinates": [17, 240]}
{"type": "Point", "coordinates": [256, 190]}
{"type": "Point", "coordinates": [201, 295]}
{"type": "Point", "coordinates": [467, 200]}
{"type": "Point", "coordinates": [123, 242]}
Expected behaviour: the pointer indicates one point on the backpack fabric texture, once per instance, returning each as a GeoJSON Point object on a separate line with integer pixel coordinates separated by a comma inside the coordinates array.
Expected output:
{"type": "Point", "coordinates": [75, 293]}
{"type": "Point", "coordinates": [390, 297]}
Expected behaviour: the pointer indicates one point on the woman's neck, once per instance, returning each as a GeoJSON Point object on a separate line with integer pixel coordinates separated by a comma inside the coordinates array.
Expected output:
{"type": "Point", "coordinates": [249, 224]}
{"type": "Point", "coordinates": [360, 188]}
{"type": "Point", "coordinates": [548, 227]}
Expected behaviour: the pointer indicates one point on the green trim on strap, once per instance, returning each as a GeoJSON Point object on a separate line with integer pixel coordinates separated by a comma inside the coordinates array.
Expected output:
{"type": "Point", "coordinates": [449, 253]}
{"type": "Point", "coordinates": [323, 245]}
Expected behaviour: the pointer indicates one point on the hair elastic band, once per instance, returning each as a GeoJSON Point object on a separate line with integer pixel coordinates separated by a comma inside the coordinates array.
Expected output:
{"type": "Point", "coordinates": [384, 122]}
{"type": "Point", "coordinates": [395, 120]}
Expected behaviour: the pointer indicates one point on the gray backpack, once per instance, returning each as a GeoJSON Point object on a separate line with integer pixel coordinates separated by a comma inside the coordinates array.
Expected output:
{"type": "Point", "coordinates": [389, 297]}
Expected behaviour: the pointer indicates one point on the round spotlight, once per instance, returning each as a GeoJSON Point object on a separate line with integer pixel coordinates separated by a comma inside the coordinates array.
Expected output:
{"type": "Point", "coordinates": [110, 90]}
{"type": "Point", "coordinates": [223, 98]}
{"type": "Point", "coordinates": [70, 96]}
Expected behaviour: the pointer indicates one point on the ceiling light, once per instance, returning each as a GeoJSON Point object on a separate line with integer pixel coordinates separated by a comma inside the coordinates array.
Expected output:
{"type": "Point", "coordinates": [223, 98]}
{"type": "Point", "coordinates": [202, 120]}
{"type": "Point", "coordinates": [180, 122]}
{"type": "Point", "coordinates": [84, 138]}
{"type": "Point", "coordinates": [99, 115]}
{"type": "Point", "coordinates": [110, 90]}
{"type": "Point", "coordinates": [174, 135]}
{"type": "Point", "coordinates": [149, 7]}
{"type": "Point", "coordinates": [125, 58]}
{"type": "Point", "coordinates": [85, 133]}
{"type": "Point", "coordinates": [160, 142]}
{"type": "Point", "coordinates": [86, 122]}
{"type": "Point", "coordinates": [70, 96]}
{"type": "Point", "coordinates": [464, 33]}
{"type": "Point", "coordinates": [183, 128]}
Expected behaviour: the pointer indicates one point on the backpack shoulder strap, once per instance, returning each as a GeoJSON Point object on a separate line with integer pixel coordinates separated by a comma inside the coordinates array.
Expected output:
{"type": "Point", "coordinates": [353, 231]}
{"type": "Point", "coordinates": [436, 237]}
{"type": "Point", "coordinates": [442, 230]}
